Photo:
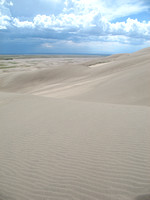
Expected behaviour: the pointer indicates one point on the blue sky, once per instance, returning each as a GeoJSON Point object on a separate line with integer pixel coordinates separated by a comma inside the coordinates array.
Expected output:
{"type": "Point", "coordinates": [74, 26]}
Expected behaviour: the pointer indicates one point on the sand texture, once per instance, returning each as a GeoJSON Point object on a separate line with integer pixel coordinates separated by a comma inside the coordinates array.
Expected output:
{"type": "Point", "coordinates": [75, 127]}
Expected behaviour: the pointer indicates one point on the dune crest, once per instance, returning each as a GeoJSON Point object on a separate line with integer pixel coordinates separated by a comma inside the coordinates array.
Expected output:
{"type": "Point", "coordinates": [120, 79]}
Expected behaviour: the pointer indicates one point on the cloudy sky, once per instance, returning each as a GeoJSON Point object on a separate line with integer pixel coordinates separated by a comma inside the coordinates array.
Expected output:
{"type": "Point", "coordinates": [74, 26]}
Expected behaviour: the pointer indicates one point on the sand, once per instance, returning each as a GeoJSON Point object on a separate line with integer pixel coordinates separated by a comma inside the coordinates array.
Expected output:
{"type": "Point", "coordinates": [75, 127]}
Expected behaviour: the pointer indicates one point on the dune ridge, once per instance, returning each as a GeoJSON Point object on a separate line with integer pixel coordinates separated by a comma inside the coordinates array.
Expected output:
{"type": "Point", "coordinates": [88, 140]}
{"type": "Point", "coordinates": [114, 79]}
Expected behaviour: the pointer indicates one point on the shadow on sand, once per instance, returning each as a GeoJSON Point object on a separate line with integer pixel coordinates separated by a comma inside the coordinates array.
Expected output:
{"type": "Point", "coordinates": [143, 197]}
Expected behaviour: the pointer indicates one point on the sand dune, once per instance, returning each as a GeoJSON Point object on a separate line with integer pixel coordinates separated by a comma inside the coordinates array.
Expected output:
{"type": "Point", "coordinates": [113, 79]}
{"type": "Point", "coordinates": [88, 140]}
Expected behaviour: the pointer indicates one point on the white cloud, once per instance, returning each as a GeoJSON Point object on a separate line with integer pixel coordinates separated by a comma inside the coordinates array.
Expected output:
{"type": "Point", "coordinates": [5, 15]}
{"type": "Point", "coordinates": [5, 3]}
{"type": "Point", "coordinates": [92, 24]}
{"type": "Point", "coordinates": [86, 19]}
{"type": "Point", "coordinates": [47, 45]}
{"type": "Point", "coordinates": [4, 8]}
{"type": "Point", "coordinates": [110, 9]}
{"type": "Point", "coordinates": [43, 21]}
{"type": "Point", "coordinates": [22, 24]}
{"type": "Point", "coordinates": [4, 21]}
{"type": "Point", "coordinates": [11, 3]}
{"type": "Point", "coordinates": [53, 1]}
{"type": "Point", "coordinates": [113, 42]}
{"type": "Point", "coordinates": [132, 27]}
{"type": "Point", "coordinates": [2, 2]}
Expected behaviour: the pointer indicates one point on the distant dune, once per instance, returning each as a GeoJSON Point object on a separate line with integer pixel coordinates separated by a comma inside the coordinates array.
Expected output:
{"type": "Point", "coordinates": [121, 78]}
{"type": "Point", "coordinates": [75, 128]}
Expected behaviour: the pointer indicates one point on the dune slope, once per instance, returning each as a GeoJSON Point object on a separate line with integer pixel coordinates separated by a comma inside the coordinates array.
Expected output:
{"type": "Point", "coordinates": [62, 149]}
{"type": "Point", "coordinates": [87, 140]}
{"type": "Point", "coordinates": [120, 79]}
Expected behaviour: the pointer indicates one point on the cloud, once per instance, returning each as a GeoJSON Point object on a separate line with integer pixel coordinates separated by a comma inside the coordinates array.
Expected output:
{"type": "Point", "coordinates": [131, 28]}
{"type": "Point", "coordinates": [83, 15]}
{"type": "Point", "coordinates": [110, 9]}
{"type": "Point", "coordinates": [47, 45]}
{"type": "Point", "coordinates": [4, 8]}
{"type": "Point", "coordinates": [11, 3]}
{"type": "Point", "coordinates": [78, 22]}
{"type": "Point", "coordinates": [22, 24]}
{"type": "Point", "coordinates": [43, 21]}
{"type": "Point", "coordinates": [4, 21]}
{"type": "Point", "coordinates": [85, 25]}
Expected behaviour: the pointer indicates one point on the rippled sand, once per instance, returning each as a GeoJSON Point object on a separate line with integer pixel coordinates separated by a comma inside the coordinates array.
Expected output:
{"type": "Point", "coordinates": [75, 127]}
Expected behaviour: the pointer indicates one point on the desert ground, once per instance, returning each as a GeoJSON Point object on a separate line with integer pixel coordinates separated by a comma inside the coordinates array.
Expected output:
{"type": "Point", "coordinates": [75, 127]}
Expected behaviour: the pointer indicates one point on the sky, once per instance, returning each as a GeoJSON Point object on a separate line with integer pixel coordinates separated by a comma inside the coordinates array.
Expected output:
{"type": "Point", "coordinates": [74, 26]}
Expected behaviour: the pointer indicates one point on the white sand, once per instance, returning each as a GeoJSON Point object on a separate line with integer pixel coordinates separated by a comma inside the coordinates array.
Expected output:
{"type": "Point", "coordinates": [89, 140]}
